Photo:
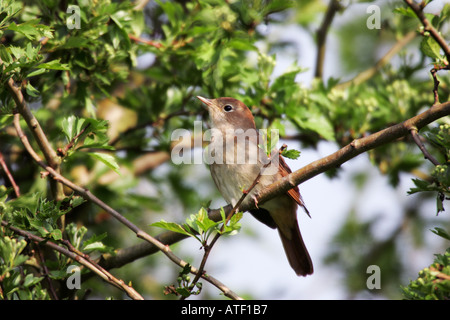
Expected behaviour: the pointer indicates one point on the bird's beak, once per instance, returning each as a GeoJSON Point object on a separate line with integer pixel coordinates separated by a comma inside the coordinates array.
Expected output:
{"type": "Point", "coordinates": [208, 102]}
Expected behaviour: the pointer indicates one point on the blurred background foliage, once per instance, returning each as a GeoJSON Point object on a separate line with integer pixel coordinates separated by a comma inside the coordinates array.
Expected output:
{"type": "Point", "coordinates": [132, 71]}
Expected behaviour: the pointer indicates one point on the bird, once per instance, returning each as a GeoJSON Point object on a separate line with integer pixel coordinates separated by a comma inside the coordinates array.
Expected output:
{"type": "Point", "coordinates": [236, 160]}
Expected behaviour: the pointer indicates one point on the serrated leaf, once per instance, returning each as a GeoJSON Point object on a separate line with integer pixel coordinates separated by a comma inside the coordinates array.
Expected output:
{"type": "Point", "coordinates": [4, 54]}
{"type": "Point", "coordinates": [408, 12]}
{"type": "Point", "coordinates": [431, 48]}
{"type": "Point", "coordinates": [171, 226]}
{"type": "Point", "coordinates": [32, 91]}
{"type": "Point", "coordinates": [71, 126]}
{"type": "Point", "coordinates": [421, 185]}
{"type": "Point", "coordinates": [27, 29]}
{"type": "Point", "coordinates": [107, 159]}
{"type": "Point", "coordinates": [54, 65]}
{"type": "Point", "coordinates": [56, 234]}
{"type": "Point", "coordinates": [291, 154]}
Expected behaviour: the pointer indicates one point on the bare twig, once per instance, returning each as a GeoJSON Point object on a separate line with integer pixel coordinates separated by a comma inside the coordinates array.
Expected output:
{"type": "Point", "coordinates": [418, 10]}
{"type": "Point", "coordinates": [105, 275]}
{"type": "Point", "coordinates": [9, 175]}
{"type": "Point", "coordinates": [333, 7]}
{"type": "Point", "coordinates": [86, 194]}
{"type": "Point", "coordinates": [436, 85]}
{"type": "Point", "coordinates": [418, 141]}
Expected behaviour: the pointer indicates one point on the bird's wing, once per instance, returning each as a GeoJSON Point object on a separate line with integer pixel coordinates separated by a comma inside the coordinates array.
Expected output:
{"type": "Point", "coordinates": [294, 193]}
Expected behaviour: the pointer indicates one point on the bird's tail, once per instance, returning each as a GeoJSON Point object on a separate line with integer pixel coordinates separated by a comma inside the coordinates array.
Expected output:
{"type": "Point", "coordinates": [296, 251]}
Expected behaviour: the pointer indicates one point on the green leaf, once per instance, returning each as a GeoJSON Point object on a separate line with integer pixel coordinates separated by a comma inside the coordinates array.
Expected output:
{"type": "Point", "coordinates": [36, 73]}
{"type": "Point", "coordinates": [72, 126]}
{"type": "Point", "coordinates": [56, 234]}
{"type": "Point", "coordinates": [26, 29]}
{"type": "Point", "coordinates": [172, 226]}
{"type": "Point", "coordinates": [107, 159]}
{"type": "Point", "coordinates": [203, 221]}
{"type": "Point", "coordinates": [441, 232]}
{"type": "Point", "coordinates": [313, 120]}
{"type": "Point", "coordinates": [32, 91]}
{"type": "Point", "coordinates": [31, 29]}
{"type": "Point", "coordinates": [291, 154]}
{"type": "Point", "coordinates": [53, 65]}
{"type": "Point", "coordinates": [430, 47]}
{"type": "Point", "coordinates": [407, 12]}
{"type": "Point", "coordinates": [5, 55]}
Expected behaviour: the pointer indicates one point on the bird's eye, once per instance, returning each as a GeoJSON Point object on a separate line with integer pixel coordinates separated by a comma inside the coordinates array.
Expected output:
{"type": "Point", "coordinates": [228, 108]}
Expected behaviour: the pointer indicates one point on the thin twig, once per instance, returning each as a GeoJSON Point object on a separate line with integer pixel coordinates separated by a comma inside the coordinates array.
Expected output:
{"type": "Point", "coordinates": [46, 274]}
{"type": "Point", "coordinates": [9, 175]}
{"type": "Point", "coordinates": [418, 141]}
{"type": "Point", "coordinates": [321, 34]}
{"type": "Point", "coordinates": [149, 42]}
{"type": "Point", "coordinates": [436, 85]}
{"type": "Point", "coordinates": [86, 194]}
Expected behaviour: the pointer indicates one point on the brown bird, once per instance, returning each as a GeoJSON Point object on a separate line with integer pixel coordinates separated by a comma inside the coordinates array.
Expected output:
{"type": "Point", "coordinates": [235, 162]}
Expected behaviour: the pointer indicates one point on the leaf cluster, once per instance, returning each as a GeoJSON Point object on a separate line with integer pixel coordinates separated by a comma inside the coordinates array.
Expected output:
{"type": "Point", "coordinates": [433, 282]}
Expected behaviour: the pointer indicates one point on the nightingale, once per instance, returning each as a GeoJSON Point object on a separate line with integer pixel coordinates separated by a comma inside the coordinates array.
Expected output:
{"type": "Point", "coordinates": [236, 160]}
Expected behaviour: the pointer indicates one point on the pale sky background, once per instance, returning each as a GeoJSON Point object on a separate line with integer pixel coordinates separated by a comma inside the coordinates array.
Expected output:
{"type": "Point", "coordinates": [257, 265]}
